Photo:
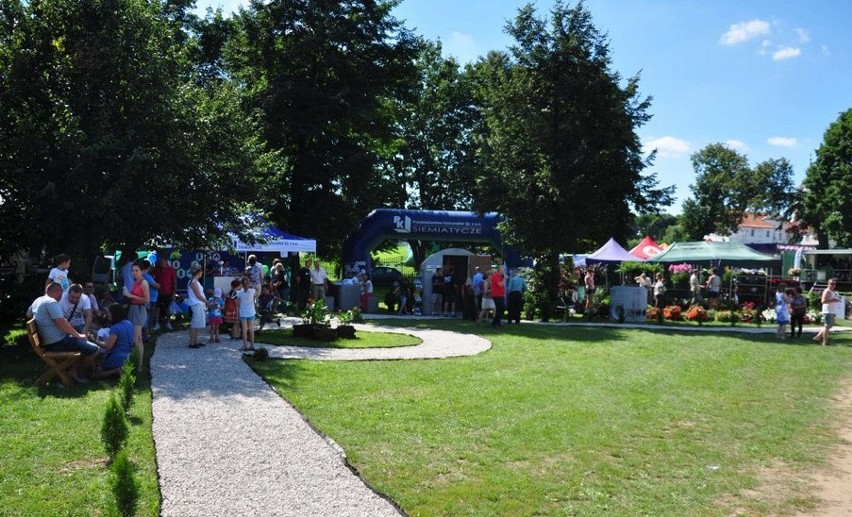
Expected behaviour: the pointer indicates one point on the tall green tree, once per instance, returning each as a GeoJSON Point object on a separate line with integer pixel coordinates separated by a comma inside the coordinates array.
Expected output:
{"type": "Point", "coordinates": [106, 139]}
{"type": "Point", "coordinates": [562, 159]}
{"type": "Point", "coordinates": [726, 187]}
{"type": "Point", "coordinates": [653, 225]}
{"type": "Point", "coordinates": [435, 157]}
{"type": "Point", "coordinates": [827, 199]}
{"type": "Point", "coordinates": [434, 162]}
{"type": "Point", "coordinates": [321, 72]}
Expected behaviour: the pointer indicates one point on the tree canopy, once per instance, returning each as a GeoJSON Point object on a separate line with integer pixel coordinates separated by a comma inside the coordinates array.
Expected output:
{"type": "Point", "coordinates": [726, 187]}
{"type": "Point", "coordinates": [827, 200]}
{"type": "Point", "coordinates": [562, 160]}
{"type": "Point", "coordinates": [105, 139]}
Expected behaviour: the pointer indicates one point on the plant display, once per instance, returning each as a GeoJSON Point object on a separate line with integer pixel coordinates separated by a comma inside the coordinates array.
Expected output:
{"type": "Point", "coordinates": [697, 313]}
{"type": "Point", "coordinates": [769, 315]}
{"type": "Point", "coordinates": [673, 312]}
{"type": "Point", "coordinates": [651, 313]}
{"type": "Point", "coordinates": [680, 273]}
{"type": "Point", "coordinates": [814, 317]}
{"type": "Point", "coordinates": [747, 313]}
{"type": "Point", "coordinates": [316, 314]}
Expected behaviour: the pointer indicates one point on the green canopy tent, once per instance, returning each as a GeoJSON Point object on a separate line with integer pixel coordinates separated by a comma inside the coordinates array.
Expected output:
{"type": "Point", "coordinates": [732, 252]}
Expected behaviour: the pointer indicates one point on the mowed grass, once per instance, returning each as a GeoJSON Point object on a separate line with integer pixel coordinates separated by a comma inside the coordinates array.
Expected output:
{"type": "Point", "coordinates": [52, 459]}
{"type": "Point", "coordinates": [362, 339]}
{"type": "Point", "coordinates": [582, 421]}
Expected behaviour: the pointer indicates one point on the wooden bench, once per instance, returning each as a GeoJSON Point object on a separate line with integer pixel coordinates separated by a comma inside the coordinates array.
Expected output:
{"type": "Point", "coordinates": [58, 363]}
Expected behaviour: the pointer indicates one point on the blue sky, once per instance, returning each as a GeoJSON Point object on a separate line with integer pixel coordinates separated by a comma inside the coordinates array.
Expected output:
{"type": "Point", "coordinates": [766, 77]}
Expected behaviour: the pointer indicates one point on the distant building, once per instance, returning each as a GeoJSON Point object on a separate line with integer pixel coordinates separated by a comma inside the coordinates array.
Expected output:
{"type": "Point", "coordinates": [762, 231]}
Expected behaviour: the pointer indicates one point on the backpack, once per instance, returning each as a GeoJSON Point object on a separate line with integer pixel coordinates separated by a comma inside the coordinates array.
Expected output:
{"type": "Point", "coordinates": [231, 312]}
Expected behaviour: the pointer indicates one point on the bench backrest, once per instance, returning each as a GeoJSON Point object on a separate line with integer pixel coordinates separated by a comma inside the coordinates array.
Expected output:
{"type": "Point", "coordinates": [32, 335]}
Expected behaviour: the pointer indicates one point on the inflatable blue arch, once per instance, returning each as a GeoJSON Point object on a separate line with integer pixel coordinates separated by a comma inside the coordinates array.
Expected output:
{"type": "Point", "coordinates": [429, 225]}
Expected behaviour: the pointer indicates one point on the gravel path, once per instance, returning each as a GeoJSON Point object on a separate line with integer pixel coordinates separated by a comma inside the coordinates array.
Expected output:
{"type": "Point", "coordinates": [227, 444]}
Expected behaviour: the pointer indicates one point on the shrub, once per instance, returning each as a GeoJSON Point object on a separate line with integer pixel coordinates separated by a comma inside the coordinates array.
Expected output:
{"type": "Point", "coordinates": [127, 385]}
{"type": "Point", "coordinates": [651, 313]}
{"type": "Point", "coordinates": [673, 312]}
{"type": "Point", "coordinates": [697, 313]}
{"type": "Point", "coordinates": [724, 316]}
{"type": "Point", "coordinates": [114, 430]}
{"type": "Point", "coordinates": [124, 485]}
{"type": "Point", "coordinates": [134, 358]}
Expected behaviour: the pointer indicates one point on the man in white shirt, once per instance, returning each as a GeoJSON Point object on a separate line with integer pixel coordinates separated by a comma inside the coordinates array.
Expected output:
{"type": "Point", "coordinates": [77, 308]}
{"type": "Point", "coordinates": [319, 281]}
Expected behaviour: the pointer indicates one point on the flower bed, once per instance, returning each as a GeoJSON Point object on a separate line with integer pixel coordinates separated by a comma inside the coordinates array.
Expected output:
{"type": "Point", "coordinates": [697, 313]}
{"type": "Point", "coordinates": [673, 312]}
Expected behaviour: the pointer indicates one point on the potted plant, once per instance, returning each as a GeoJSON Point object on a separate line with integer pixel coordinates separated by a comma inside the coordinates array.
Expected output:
{"type": "Point", "coordinates": [344, 328]}
{"type": "Point", "coordinates": [316, 323]}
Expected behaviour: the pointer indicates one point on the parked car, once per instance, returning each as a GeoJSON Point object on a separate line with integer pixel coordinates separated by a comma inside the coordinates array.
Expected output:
{"type": "Point", "coordinates": [385, 276]}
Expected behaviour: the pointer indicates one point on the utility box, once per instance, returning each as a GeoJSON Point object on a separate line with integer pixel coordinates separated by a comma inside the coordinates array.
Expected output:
{"type": "Point", "coordinates": [632, 300]}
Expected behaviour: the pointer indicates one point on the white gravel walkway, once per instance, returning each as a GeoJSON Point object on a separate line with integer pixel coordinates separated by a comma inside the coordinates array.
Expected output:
{"type": "Point", "coordinates": [227, 444]}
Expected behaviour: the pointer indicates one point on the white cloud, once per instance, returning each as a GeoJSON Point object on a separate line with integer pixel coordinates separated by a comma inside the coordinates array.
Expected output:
{"type": "Point", "coordinates": [804, 37]}
{"type": "Point", "coordinates": [668, 146]}
{"type": "Point", "coordinates": [782, 141]}
{"type": "Point", "coordinates": [742, 31]}
{"type": "Point", "coordinates": [737, 145]}
{"type": "Point", "coordinates": [824, 50]}
{"type": "Point", "coordinates": [786, 53]}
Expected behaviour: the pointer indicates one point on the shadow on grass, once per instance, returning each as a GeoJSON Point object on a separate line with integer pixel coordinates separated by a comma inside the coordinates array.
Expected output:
{"type": "Point", "coordinates": [20, 366]}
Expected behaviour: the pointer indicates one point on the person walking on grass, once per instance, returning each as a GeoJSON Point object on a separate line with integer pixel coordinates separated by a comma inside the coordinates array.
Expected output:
{"type": "Point", "coordinates": [798, 309]}
{"type": "Point", "coordinates": [829, 299]}
{"type": "Point", "coordinates": [782, 310]}
{"type": "Point", "coordinates": [247, 313]}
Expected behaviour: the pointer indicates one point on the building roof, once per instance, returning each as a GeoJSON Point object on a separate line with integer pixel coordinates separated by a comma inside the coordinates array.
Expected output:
{"type": "Point", "coordinates": [760, 221]}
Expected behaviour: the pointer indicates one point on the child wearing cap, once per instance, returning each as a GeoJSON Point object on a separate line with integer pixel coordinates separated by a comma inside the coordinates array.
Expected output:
{"type": "Point", "coordinates": [214, 313]}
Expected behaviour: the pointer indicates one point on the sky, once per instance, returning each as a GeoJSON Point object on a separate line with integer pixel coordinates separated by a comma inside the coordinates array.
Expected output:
{"type": "Point", "coordinates": [765, 77]}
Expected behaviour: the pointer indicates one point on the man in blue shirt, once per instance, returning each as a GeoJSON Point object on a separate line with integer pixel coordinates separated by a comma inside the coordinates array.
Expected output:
{"type": "Point", "coordinates": [515, 293]}
{"type": "Point", "coordinates": [477, 288]}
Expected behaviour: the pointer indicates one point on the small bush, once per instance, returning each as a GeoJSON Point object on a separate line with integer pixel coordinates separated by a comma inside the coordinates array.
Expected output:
{"type": "Point", "coordinates": [134, 358]}
{"type": "Point", "coordinates": [124, 485]}
{"type": "Point", "coordinates": [697, 313]}
{"type": "Point", "coordinates": [673, 312]}
{"type": "Point", "coordinates": [651, 313]}
{"type": "Point", "coordinates": [127, 385]}
{"type": "Point", "coordinates": [114, 430]}
{"type": "Point", "coordinates": [261, 354]}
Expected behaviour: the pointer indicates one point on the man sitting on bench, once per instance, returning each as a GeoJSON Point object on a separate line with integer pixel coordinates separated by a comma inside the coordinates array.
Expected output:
{"type": "Point", "coordinates": [56, 334]}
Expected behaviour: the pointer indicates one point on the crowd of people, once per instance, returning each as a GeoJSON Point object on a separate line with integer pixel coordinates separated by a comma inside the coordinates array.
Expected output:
{"type": "Point", "coordinates": [484, 297]}
{"type": "Point", "coordinates": [71, 315]}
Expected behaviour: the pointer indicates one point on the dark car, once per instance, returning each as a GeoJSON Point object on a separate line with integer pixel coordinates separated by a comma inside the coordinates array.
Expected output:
{"type": "Point", "coordinates": [385, 276]}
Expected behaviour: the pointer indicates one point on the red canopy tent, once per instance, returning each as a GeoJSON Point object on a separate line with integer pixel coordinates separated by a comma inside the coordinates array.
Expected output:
{"type": "Point", "coordinates": [646, 249]}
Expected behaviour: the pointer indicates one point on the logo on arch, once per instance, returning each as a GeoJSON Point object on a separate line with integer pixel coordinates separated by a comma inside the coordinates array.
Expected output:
{"type": "Point", "coordinates": [401, 224]}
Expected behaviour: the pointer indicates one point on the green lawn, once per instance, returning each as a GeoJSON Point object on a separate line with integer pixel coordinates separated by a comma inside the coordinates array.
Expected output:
{"type": "Point", "coordinates": [51, 455]}
{"type": "Point", "coordinates": [361, 340]}
{"type": "Point", "coordinates": [551, 421]}
{"type": "Point", "coordinates": [580, 421]}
